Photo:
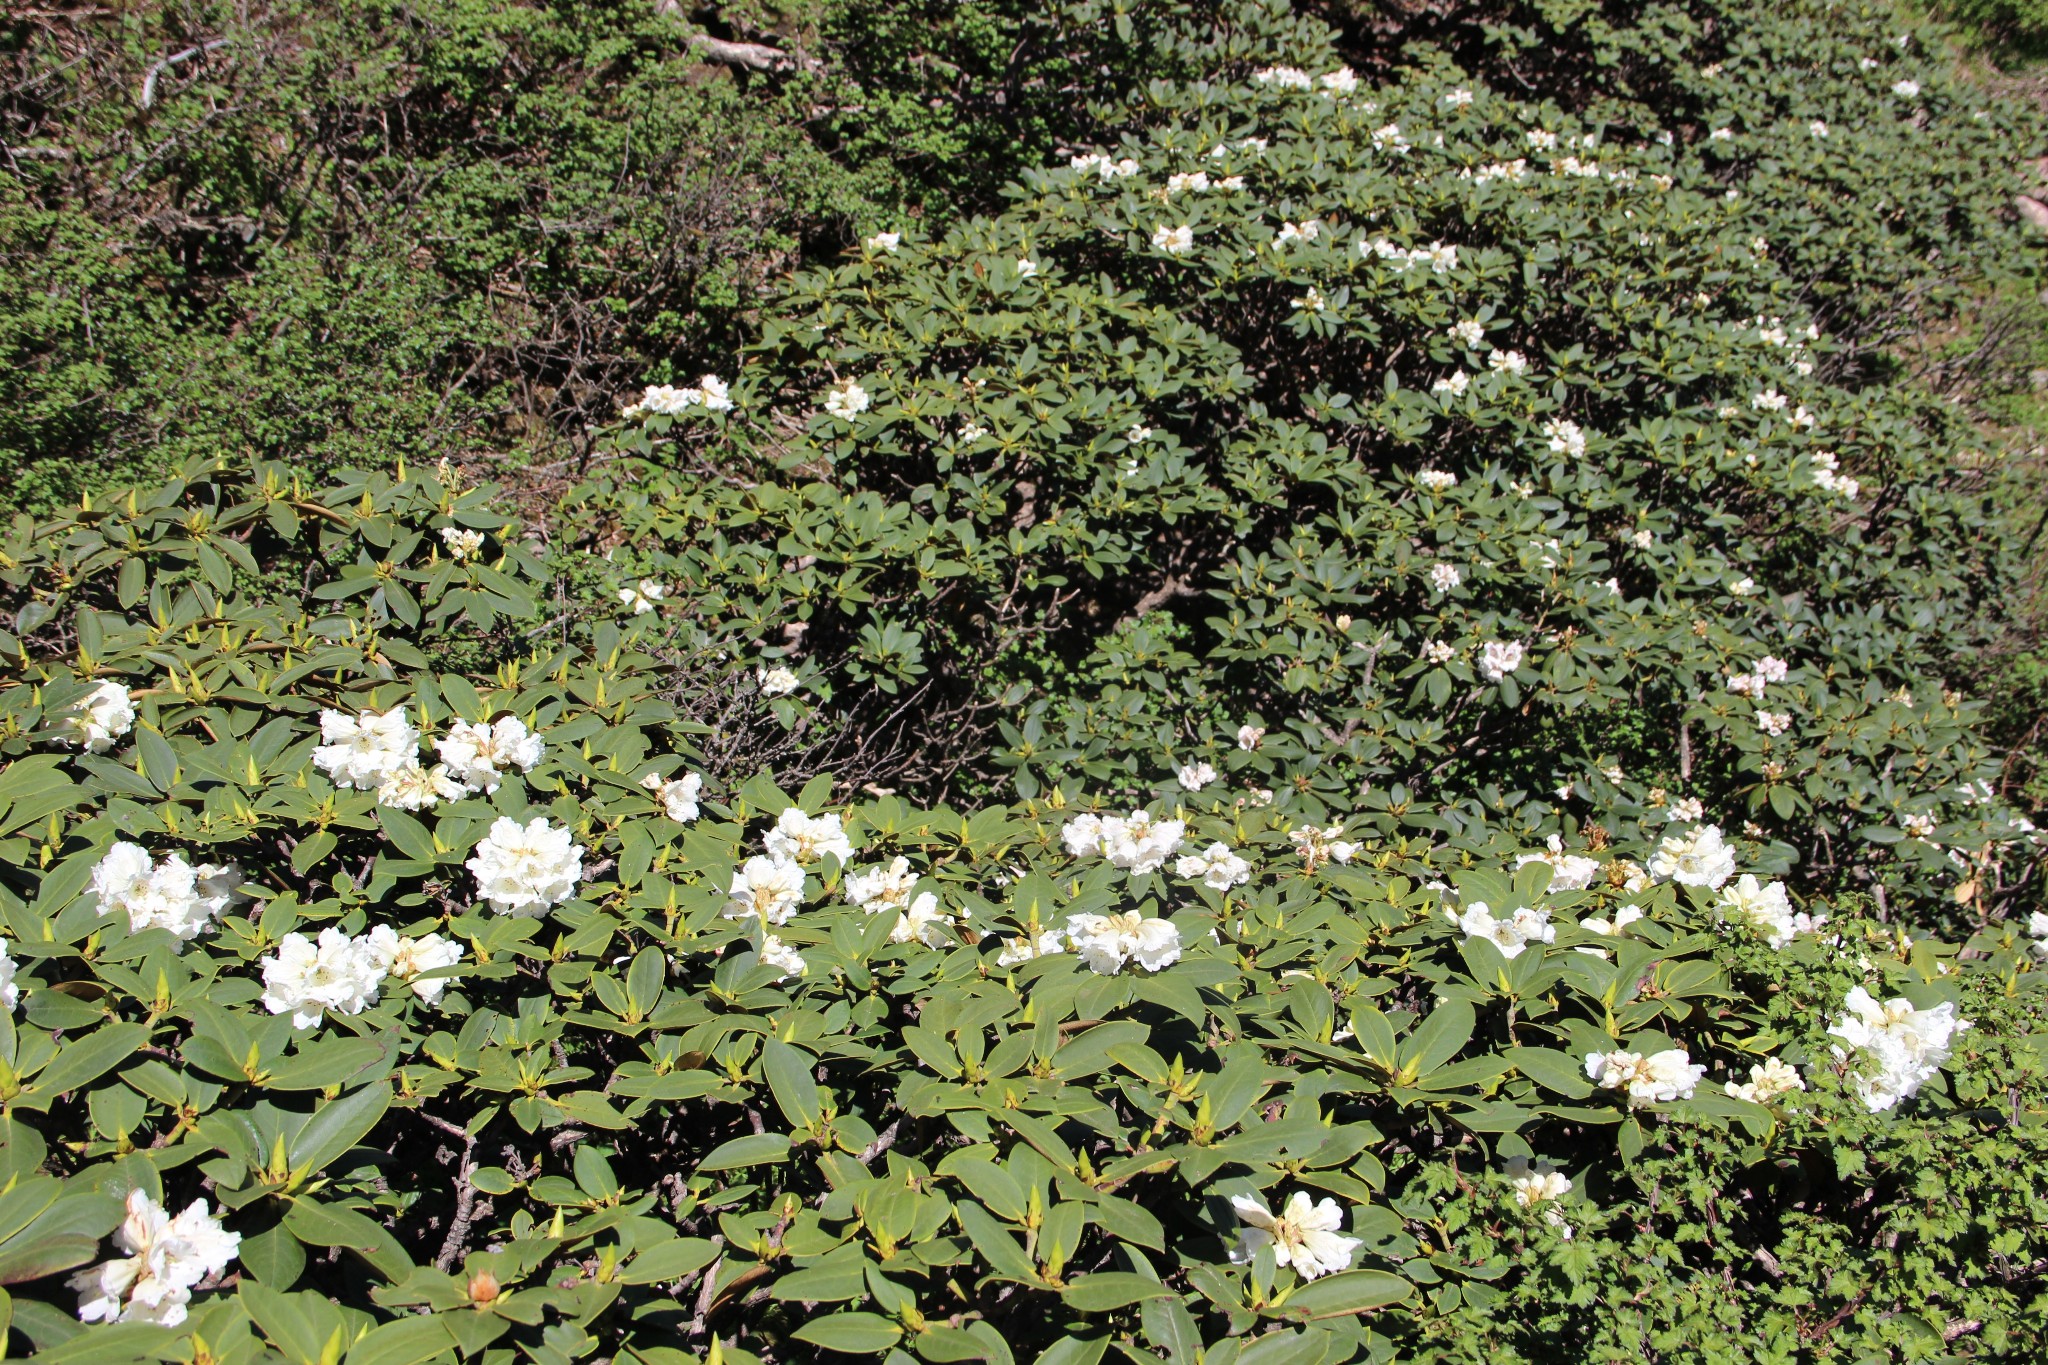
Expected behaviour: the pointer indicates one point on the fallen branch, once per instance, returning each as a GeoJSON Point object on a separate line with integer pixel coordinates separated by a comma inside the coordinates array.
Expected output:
{"type": "Point", "coordinates": [754, 56]}
{"type": "Point", "coordinates": [148, 96]}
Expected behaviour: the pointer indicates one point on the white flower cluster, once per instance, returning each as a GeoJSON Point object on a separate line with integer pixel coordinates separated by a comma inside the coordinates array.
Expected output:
{"type": "Point", "coordinates": [1827, 475]}
{"type": "Point", "coordinates": [462, 544]}
{"type": "Point", "coordinates": [644, 596]}
{"type": "Point", "coordinates": [1539, 1187]}
{"type": "Point", "coordinates": [1766, 1082]}
{"type": "Point", "coordinates": [1656, 1079]}
{"type": "Point", "coordinates": [1437, 480]}
{"type": "Point", "coordinates": [1441, 259]}
{"type": "Point", "coordinates": [1767, 670]}
{"type": "Point", "coordinates": [1105, 943]}
{"type": "Point", "coordinates": [678, 796]}
{"type": "Point", "coordinates": [1568, 871]}
{"type": "Point", "coordinates": [1138, 843]}
{"type": "Point", "coordinates": [1499, 658]}
{"type": "Point", "coordinates": [102, 717]}
{"type": "Point", "coordinates": [339, 974]}
{"type": "Point", "coordinates": [10, 989]}
{"type": "Point", "coordinates": [1320, 845]}
{"type": "Point", "coordinates": [1195, 776]}
{"type": "Point", "coordinates": [2037, 929]}
{"type": "Point", "coordinates": [1565, 437]}
{"type": "Point", "coordinates": [526, 869]}
{"type": "Point", "coordinates": [663, 400]}
{"type": "Point", "coordinates": [770, 886]}
{"type": "Point", "coordinates": [1512, 934]}
{"type": "Point", "coordinates": [846, 400]}
{"type": "Point", "coordinates": [1897, 1046]}
{"type": "Point", "coordinates": [883, 243]}
{"type": "Point", "coordinates": [1767, 909]}
{"type": "Point", "coordinates": [1304, 1234]}
{"type": "Point", "coordinates": [1215, 867]}
{"type": "Point", "coordinates": [777, 681]}
{"type": "Point", "coordinates": [1105, 168]}
{"type": "Point", "coordinates": [359, 752]}
{"type": "Point", "coordinates": [801, 838]}
{"type": "Point", "coordinates": [1699, 857]}
{"type": "Point", "coordinates": [1174, 241]}
{"type": "Point", "coordinates": [478, 755]}
{"type": "Point", "coordinates": [172, 895]}
{"type": "Point", "coordinates": [167, 1257]}
{"type": "Point", "coordinates": [1773, 722]}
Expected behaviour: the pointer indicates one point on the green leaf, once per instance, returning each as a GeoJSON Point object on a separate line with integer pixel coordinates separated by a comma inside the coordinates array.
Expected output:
{"type": "Point", "coordinates": [334, 1128]}
{"type": "Point", "coordinates": [1107, 1289]}
{"type": "Point", "coordinates": [758, 1149]}
{"type": "Point", "coordinates": [849, 1333]}
{"type": "Point", "coordinates": [1346, 1292]}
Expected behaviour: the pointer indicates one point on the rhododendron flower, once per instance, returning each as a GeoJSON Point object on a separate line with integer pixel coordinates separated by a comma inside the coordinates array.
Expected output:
{"type": "Point", "coordinates": [1512, 934]}
{"type": "Point", "coordinates": [1195, 776]}
{"type": "Point", "coordinates": [408, 958]}
{"type": "Point", "coordinates": [1437, 480]}
{"type": "Point", "coordinates": [1318, 846]}
{"type": "Point", "coordinates": [172, 895]}
{"type": "Point", "coordinates": [308, 978]}
{"type": "Point", "coordinates": [1017, 951]}
{"type": "Point", "coordinates": [801, 838]}
{"type": "Point", "coordinates": [1569, 871]}
{"type": "Point", "coordinates": [1249, 736]}
{"type": "Point", "coordinates": [526, 869]}
{"type": "Point", "coordinates": [678, 796]}
{"type": "Point", "coordinates": [1613, 928]}
{"type": "Point", "coordinates": [410, 786]}
{"type": "Point", "coordinates": [1767, 1081]}
{"type": "Point", "coordinates": [461, 543]}
{"type": "Point", "coordinates": [1498, 658]}
{"type": "Point", "coordinates": [776, 682]}
{"type": "Point", "coordinates": [644, 596]}
{"type": "Point", "coordinates": [846, 400]}
{"type": "Point", "coordinates": [771, 888]}
{"type": "Point", "coordinates": [102, 717]}
{"type": "Point", "coordinates": [1656, 1079]}
{"type": "Point", "coordinates": [166, 1258]}
{"type": "Point", "coordinates": [1303, 1234]}
{"type": "Point", "coordinates": [773, 952]}
{"type": "Point", "coordinates": [1540, 1188]}
{"type": "Point", "coordinates": [1898, 1047]}
{"type": "Point", "coordinates": [360, 751]}
{"type": "Point", "coordinates": [1106, 942]}
{"type": "Point", "coordinates": [1765, 908]}
{"type": "Point", "coordinates": [923, 921]}
{"type": "Point", "coordinates": [1699, 857]}
{"type": "Point", "coordinates": [1444, 577]}
{"type": "Point", "coordinates": [1215, 866]}
{"type": "Point", "coordinates": [883, 243]}
{"type": "Point", "coordinates": [1026, 267]}
{"type": "Point", "coordinates": [1174, 241]}
{"type": "Point", "coordinates": [477, 755]}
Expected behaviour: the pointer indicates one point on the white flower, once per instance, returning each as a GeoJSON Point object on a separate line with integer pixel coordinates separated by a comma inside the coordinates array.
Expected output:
{"type": "Point", "coordinates": [1565, 437]}
{"type": "Point", "coordinates": [1898, 1047]}
{"type": "Point", "coordinates": [1312, 301]}
{"type": "Point", "coordinates": [1721, 135]}
{"type": "Point", "coordinates": [876, 889]}
{"type": "Point", "coordinates": [2037, 929]}
{"type": "Point", "coordinates": [102, 717]}
{"type": "Point", "coordinates": [1443, 577]}
{"type": "Point", "coordinates": [1511, 935]}
{"type": "Point", "coordinates": [1106, 942]}
{"type": "Point", "coordinates": [1249, 736]}
{"type": "Point", "coordinates": [1470, 333]}
{"type": "Point", "coordinates": [1286, 77]}
{"type": "Point", "coordinates": [1318, 846]}
{"type": "Point", "coordinates": [776, 682]}
{"type": "Point", "coordinates": [408, 958]}
{"type": "Point", "coordinates": [1642, 539]}
{"type": "Point", "coordinates": [359, 752]}
{"type": "Point", "coordinates": [173, 895]}
{"type": "Point", "coordinates": [1773, 722]}
{"type": "Point", "coordinates": [1817, 128]}
{"type": "Point", "coordinates": [664, 400]}
{"type": "Point", "coordinates": [1215, 866]}
{"type": "Point", "coordinates": [801, 838]}
{"type": "Point", "coordinates": [771, 888]}
{"type": "Point", "coordinates": [1766, 1082]}
{"type": "Point", "coordinates": [1026, 267]}
{"type": "Point", "coordinates": [478, 755]}
{"type": "Point", "coordinates": [307, 978]}
{"type": "Point", "coordinates": [1342, 81]}
{"type": "Point", "coordinates": [678, 796]}
{"type": "Point", "coordinates": [526, 869]}
{"type": "Point", "coordinates": [1540, 1188]}
{"type": "Point", "coordinates": [1437, 652]}
{"type": "Point", "coordinates": [1174, 241]}
{"type": "Point", "coordinates": [846, 400]}
{"type": "Point", "coordinates": [1685, 810]}
{"type": "Point", "coordinates": [1541, 139]}
{"type": "Point", "coordinates": [1499, 658]}
{"type": "Point", "coordinates": [1140, 843]}
{"type": "Point", "coordinates": [1303, 1234]}
{"type": "Point", "coordinates": [717, 398]}
{"type": "Point", "coordinates": [166, 1258]}
{"type": "Point", "coordinates": [884, 243]}
{"type": "Point", "coordinates": [1696, 858]}
{"type": "Point", "coordinates": [972, 432]}
{"type": "Point", "coordinates": [1507, 362]}
{"type": "Point", "coordinates": [1137, 432]}
{"type": "Point", "coordinates": [412, 787]}
{"type": "Point", "coordinates": [10, 990]}
{"type": "Point", "coordinates": [1569, 871]}
{"type": "Point", "coordinates": [1195, 776]}
{"type": "Point", "coordinates": [1614, 928]}
{"type": "Point", "coordinates": [1307, 231]}
{"type": "Point", "coordinates": [773, 952]}
{"type": "Point", "coordinates": [1017, 951]}
{"type": "Point", "coordinates": [923, 921]}
{"type": "Point", "coordinates": [1436, 480]}
{"type": "Point", "coordinates": [462, 544]}
{"type": "Point", "coordinates": [1743, 587]}
{"type": "Point", "coordinates": [1457, 99]}
{"type": "Point", "coordinates": [1187, 180]}
{"type": "Point", "coordinates": [1656, 1079]}
{"type": "Point", "coordinates": [643, 596]}
{"type": "Point", "coordinates": [1454, 385]}
{"type": "Point", "coordinates": [1907, 89]}
{"type": "Point", "coordinates": [1768, 400]}
{"type": "Point", "coordinates": [1765, 908]}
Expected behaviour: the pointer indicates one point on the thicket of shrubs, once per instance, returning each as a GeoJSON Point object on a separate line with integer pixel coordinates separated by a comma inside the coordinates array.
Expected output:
{"type": "Point", "coordinates": [1337, 735]}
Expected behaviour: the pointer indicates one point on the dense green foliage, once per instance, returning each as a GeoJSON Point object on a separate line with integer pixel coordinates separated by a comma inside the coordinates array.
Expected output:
{"type": "Point", "coordinates": [1368, 662]}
